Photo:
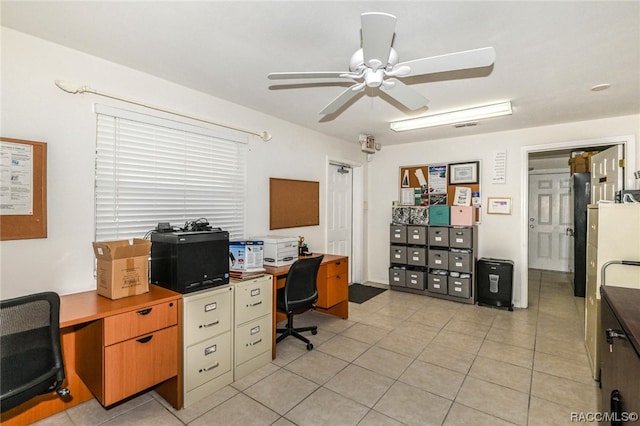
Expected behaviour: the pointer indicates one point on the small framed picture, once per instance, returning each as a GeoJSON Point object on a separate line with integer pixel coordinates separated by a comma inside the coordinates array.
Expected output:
{"type": "Point", "coordinates": [499, 205]}
{"type": "Point", "coordinates": [464, 172]}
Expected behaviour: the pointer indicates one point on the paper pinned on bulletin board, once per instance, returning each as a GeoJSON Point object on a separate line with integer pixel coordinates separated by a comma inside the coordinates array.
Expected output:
{"type": "Point", "coordinates": [462, 196]}
{"type": "Point", "coordinates": [499, 167]}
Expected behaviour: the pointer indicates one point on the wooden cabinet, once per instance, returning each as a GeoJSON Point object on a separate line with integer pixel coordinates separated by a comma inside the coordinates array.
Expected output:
{"type": "Point", "coordinates": [125, 353]}
{"type": "Point", "coordinates": [253, 332]}
{"type": "Point", "coordinates": [620, 352]}
{"type": "Point", "coordinates": [208, 342]}
{"type": "Point", "coordinates": [333, 286]}
{"type": "Point", "coordinates": [613, 233]}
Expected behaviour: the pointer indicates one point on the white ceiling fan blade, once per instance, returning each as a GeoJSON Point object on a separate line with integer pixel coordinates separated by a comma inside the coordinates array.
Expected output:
{"type": "Point", "coordinates": [377, 36]}
{"type": "Point", "coordinates": [311, 74]}
{"type": "Point", "coordinates": [453, 61]}
{"type": "Point", "coordinates": [404, 94]}
{"type": "Point", "coordinates": [342, 99]}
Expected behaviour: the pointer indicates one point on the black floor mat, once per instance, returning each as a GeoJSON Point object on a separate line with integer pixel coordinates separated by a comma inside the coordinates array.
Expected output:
{"type": "Point", "coordinates": [359, 293]}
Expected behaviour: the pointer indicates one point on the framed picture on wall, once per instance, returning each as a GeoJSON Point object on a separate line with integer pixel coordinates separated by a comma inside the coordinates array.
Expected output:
{"type": "Point", "coordinates": [499, 205]}
{"type": "Point", "coordinates": [464, 172]}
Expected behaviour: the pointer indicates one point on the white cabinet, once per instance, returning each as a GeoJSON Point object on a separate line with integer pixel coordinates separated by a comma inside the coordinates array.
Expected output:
{"type": "Point", "coordinates": [253, 324]}
{"type": "Point", "coordinates": [613, 233]}
{"type": "Point", "coordinates": [208, 342]}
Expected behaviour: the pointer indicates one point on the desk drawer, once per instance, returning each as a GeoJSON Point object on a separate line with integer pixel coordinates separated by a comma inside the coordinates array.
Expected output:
{"type": "Point", "coordinates": [333, 290]}
{"type": "Point", "coordinates": [207, 360]}
{"type": "Point", "coordinates": [121, 327]}
{"type": "Point", "coordinates": [337, 267]}
{"type": "Point", "coordinates": [206, 315]}
{"type": "Point", "coordinates": [253, 299]}
{"type": "Point", "coordinates": [252, 339]}
{"type": "Point", "coordinates": [137, 364]}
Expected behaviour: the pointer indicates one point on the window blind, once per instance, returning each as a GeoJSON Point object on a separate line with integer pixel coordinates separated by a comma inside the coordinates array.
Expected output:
{"type": "Point", "coordinates": [151, 170]}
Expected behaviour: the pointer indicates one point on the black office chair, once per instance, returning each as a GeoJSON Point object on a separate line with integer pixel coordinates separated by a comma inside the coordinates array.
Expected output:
{"type": "Point", "coordinates": [30, 355]}
{"type": "Point", "coordinates": [299, 294]}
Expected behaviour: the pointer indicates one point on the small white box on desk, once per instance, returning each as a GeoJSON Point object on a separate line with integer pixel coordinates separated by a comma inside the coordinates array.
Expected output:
{"type": "Point", "coordinates": [279, 251]}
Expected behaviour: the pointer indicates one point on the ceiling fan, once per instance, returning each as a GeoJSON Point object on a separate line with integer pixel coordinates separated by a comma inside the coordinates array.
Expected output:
{"type": "Point", "coordinates": [377, 64]}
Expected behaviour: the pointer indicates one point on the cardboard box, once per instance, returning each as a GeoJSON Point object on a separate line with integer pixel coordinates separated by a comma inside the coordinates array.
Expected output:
{"type": "Point", "coordinates": [580, 162]}
{"type": "Point", "coordinates": [245, 255]}
{"type": "Point", "coordinates": [123, 268]}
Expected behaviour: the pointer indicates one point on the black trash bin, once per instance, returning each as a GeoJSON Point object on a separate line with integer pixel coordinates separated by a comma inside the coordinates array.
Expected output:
{"type": "Point", "coordinates": [495, 282]}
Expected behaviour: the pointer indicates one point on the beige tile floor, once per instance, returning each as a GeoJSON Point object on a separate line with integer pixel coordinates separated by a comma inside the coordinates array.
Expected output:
{"type": "Point", "coordinates": [403, 359]}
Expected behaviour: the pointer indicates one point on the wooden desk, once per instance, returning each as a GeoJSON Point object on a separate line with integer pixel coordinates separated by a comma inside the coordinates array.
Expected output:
{"type": "Point", "coordinates": [81, 316]}
{"type": "Point", "coordinates": [333, 288]}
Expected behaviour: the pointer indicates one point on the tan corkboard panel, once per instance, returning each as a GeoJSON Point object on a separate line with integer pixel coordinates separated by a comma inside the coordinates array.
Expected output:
{"type": "Point", "coordinates": [26, 226]}
{"type": "Point", "coordinates": [410, 172]}
{"type": "Point", "coordinates": [293, 203]}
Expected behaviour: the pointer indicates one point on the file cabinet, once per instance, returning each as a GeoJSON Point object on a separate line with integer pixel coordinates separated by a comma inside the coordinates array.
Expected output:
{"type": "Point", "coordinates": [208, 342]}
{"type": "Point", "coordinates": [253, 330]}
{"type": "Point", "coordinates": [437, 261]}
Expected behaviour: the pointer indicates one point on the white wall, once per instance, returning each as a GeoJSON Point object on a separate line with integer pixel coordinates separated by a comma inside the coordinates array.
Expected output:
{"type": "Point", "coordinates": [33, 108]}
{"type": "Point", "coordinates": [500, 236]}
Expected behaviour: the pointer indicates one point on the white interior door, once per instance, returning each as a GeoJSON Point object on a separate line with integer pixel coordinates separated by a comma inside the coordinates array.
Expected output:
{"type": "Point", "coordinates": [607, 176]}
{"type": "Point", "coordinates": [339, 211]}
{"type": "Point", "coordinates": [550, 221]}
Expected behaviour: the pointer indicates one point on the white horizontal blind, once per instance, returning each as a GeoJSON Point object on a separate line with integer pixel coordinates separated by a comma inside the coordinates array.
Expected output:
{"type": "Point", "coordinates": [151, 170]}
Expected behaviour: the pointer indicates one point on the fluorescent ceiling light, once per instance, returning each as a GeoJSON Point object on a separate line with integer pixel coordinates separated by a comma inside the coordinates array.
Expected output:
{"type": "Point", "coordinates": [453, 117]}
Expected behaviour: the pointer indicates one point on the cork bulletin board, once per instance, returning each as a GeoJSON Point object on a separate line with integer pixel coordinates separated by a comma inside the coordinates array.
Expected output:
{"type": "Point", "coordinates": [24, 189]}
{"type": "Point", "coordinates": [293, 203]}
{"type": "Point", "coordinates": [436, 186]}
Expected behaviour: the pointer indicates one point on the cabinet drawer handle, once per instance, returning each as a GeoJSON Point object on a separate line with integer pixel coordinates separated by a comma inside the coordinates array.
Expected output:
{"type": "Point", "coordinates": [338, 263]}
{"type": "Point", "coordinates": [251, 305]}
{"type": "Point", "coordinates": [254, 343]}
{"type": "Point", "coordinates": [145, 339]}
{"type": "Point", "coordinates": [144, 311]}
{"type": "Point", "coordinates": [211, 324]}
{"type": "Point", "coordinates": [204, 370]}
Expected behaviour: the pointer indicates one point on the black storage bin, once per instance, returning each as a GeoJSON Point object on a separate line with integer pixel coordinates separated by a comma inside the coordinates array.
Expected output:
{"type": "Point", "coordinates": [495, 282]}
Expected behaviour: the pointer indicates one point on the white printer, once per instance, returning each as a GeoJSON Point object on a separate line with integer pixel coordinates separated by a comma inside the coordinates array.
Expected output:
{"type": "Point", "coordinates": [279, 251]}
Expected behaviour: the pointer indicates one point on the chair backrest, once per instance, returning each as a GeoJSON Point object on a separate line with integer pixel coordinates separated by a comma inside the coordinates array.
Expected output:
{"type": "Point", "coordinates": [30, 355]}
{"type": "Point", "coordinates": [301, 286]}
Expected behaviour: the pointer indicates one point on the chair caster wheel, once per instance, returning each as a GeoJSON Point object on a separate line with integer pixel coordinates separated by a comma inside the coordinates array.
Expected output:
{"type": "Point", "coordinates": [314, 332]}
{"type": "Point", "coordinates": [309, 346]}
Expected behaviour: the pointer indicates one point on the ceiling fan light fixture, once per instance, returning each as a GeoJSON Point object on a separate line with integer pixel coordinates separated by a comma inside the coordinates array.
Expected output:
{"type": "Point", "coordinates": [454, 117]}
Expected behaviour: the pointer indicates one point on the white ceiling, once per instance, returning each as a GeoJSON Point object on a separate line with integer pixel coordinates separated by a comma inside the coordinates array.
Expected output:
{"type": "Point", "coordinates": [549, 55]}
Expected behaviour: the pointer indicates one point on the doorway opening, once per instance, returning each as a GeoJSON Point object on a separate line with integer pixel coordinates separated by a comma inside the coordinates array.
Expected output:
{"type": "Point", "coordinates": [549, 158]}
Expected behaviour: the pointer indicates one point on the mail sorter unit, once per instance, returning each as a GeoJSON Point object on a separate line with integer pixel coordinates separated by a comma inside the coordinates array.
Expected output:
{"type": "Point", "coordinates": [408, 258]}
{"type": "Point", "coordinates": [452, 260]}
{"type": "Point", "coordinates": [448, 266]}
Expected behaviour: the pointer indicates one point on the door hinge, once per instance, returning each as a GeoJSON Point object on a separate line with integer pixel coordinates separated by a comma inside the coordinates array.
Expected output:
{"type": "Point", "coordinates": [621, 163]}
